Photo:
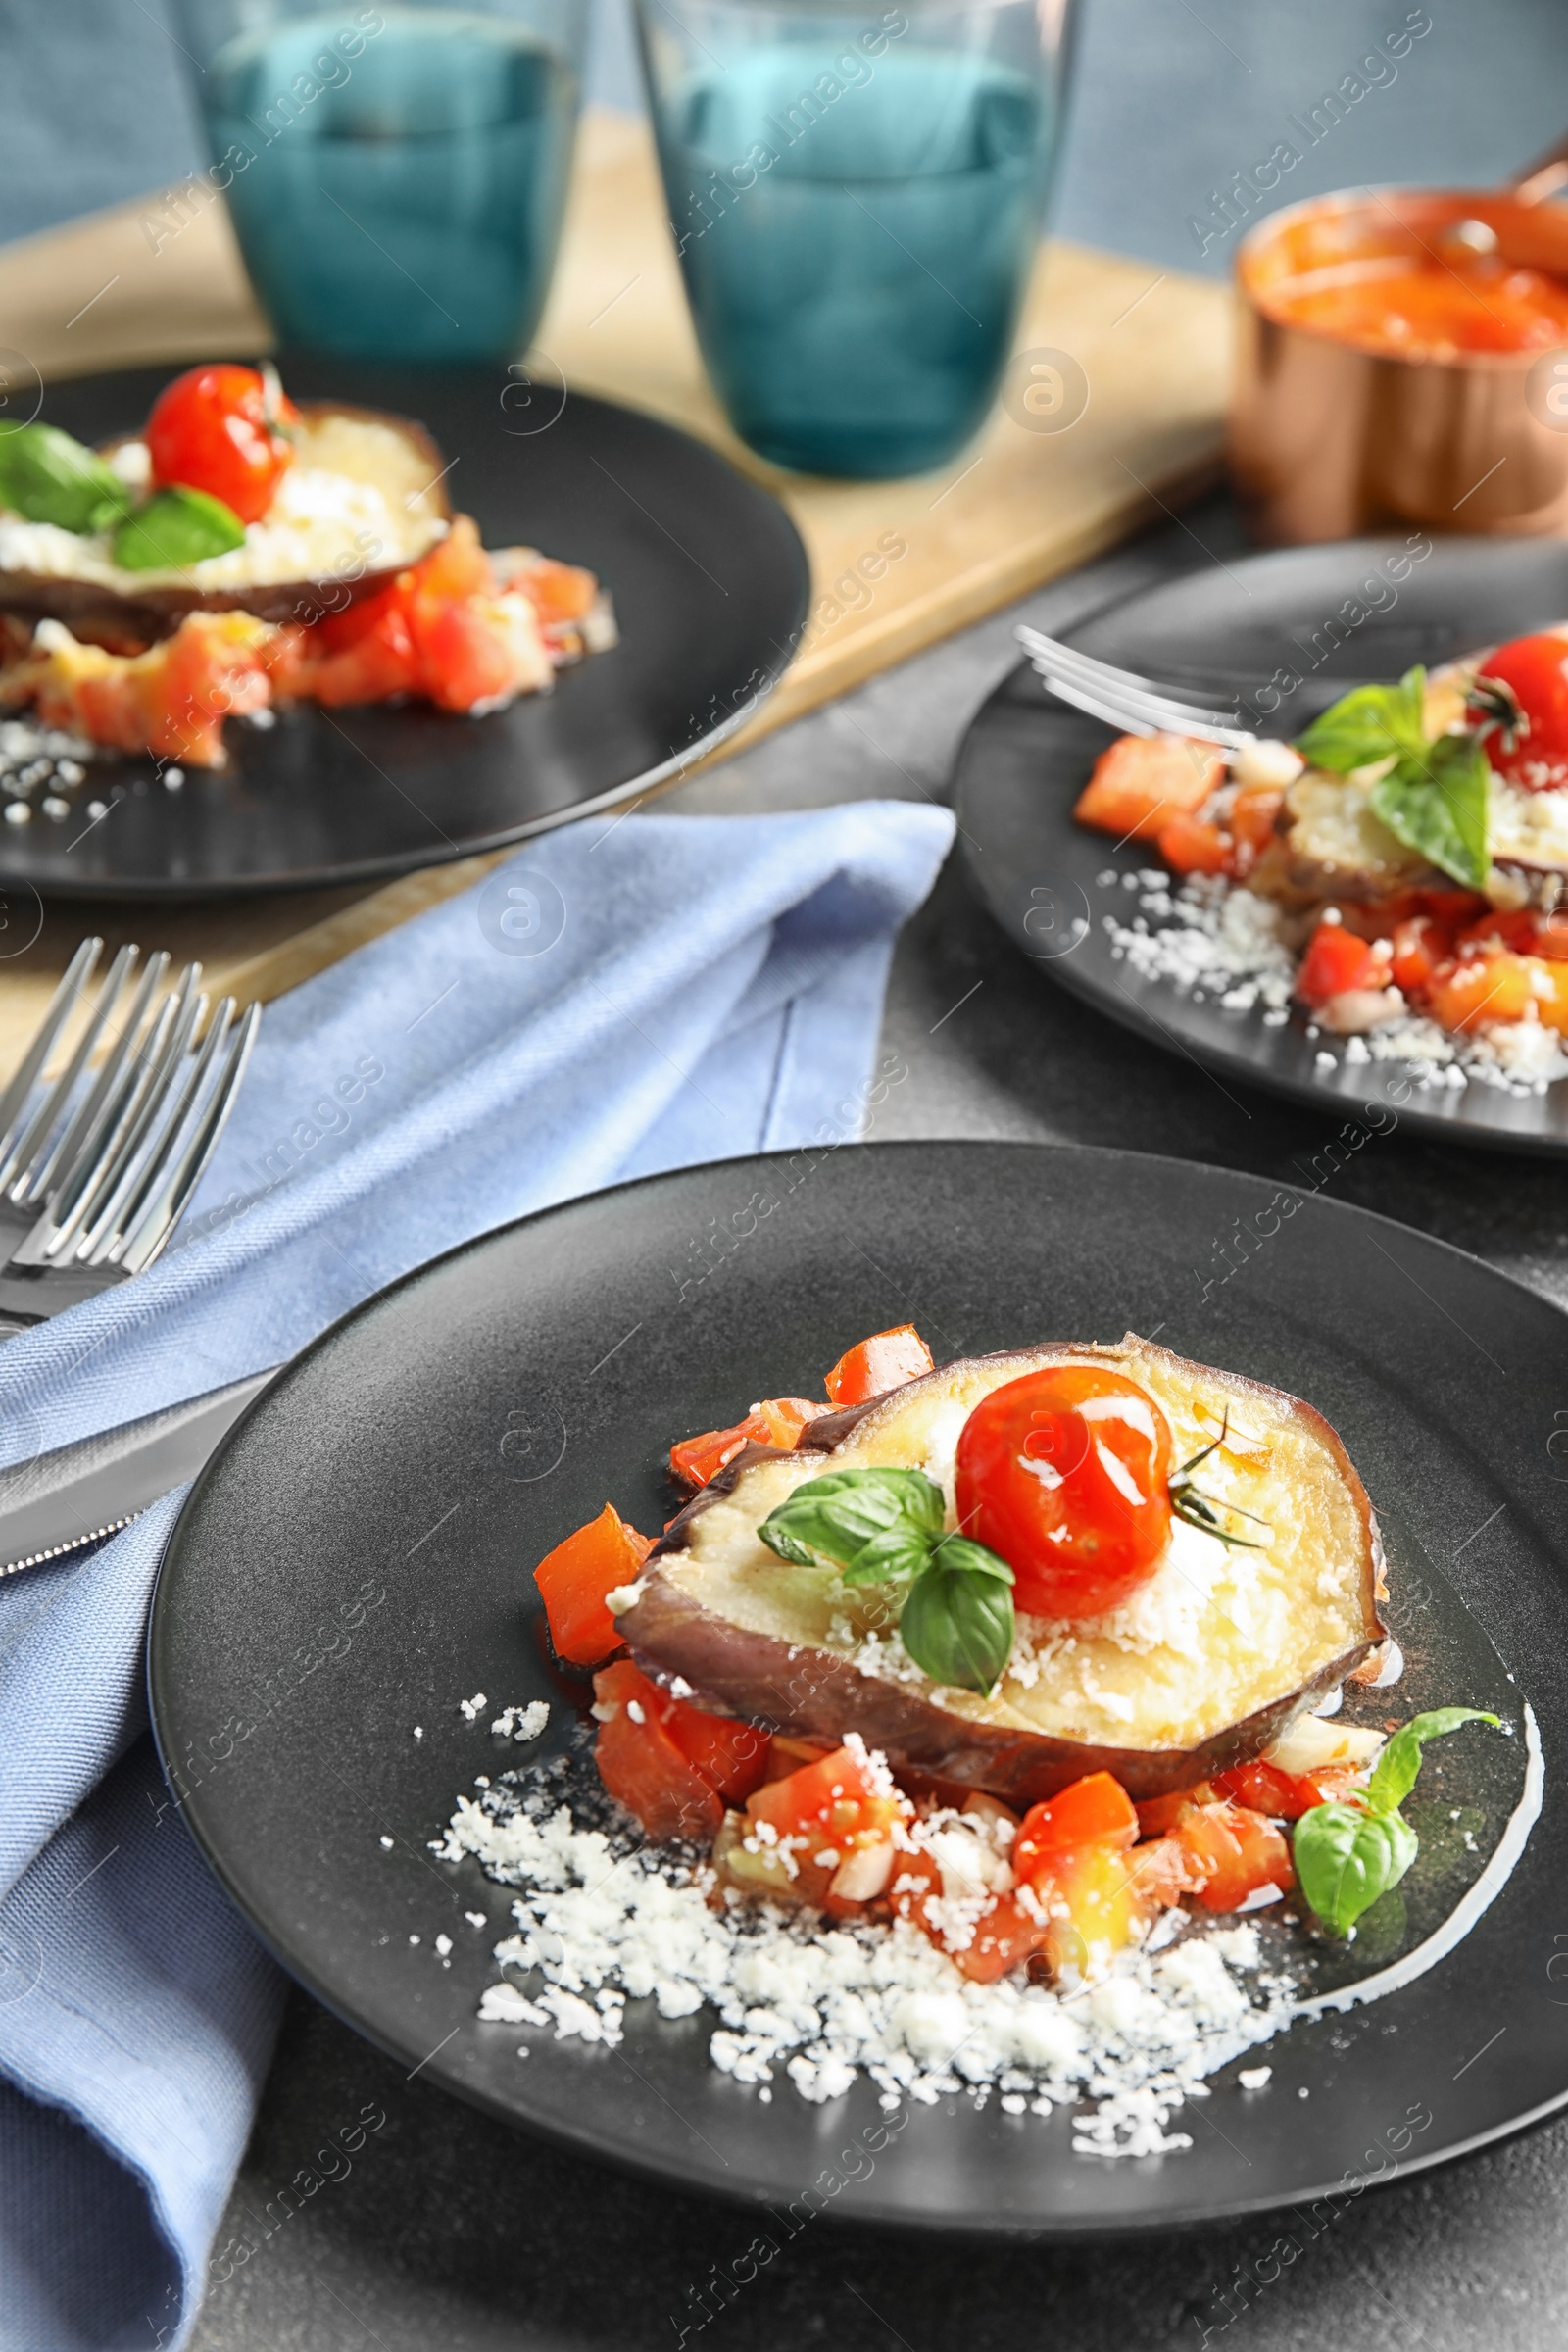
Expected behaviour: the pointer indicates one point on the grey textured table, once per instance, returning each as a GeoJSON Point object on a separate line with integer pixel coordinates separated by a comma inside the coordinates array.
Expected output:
{"type": "Point", "coordinates": [450, 2230]}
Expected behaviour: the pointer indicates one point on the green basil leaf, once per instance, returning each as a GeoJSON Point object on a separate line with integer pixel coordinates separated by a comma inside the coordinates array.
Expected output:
{"type": "Point", "coordinates": [46, 476]}
{"type": "Point", "coordinates": [1435, 802]}
{"type": "Point", "coordinates": [895, 1552]}
{"type": "Point", "coordinates": [1395, 1773]}
{"type": "Point", "coordinates": [957, 1627]}
{"type": "Point", "coordinates": [1369, 724]}
{"type": "Point", "coordinates": [1345, 1859]}
{"type": "Point", "coordinates": [788, 1546]}
{"type": "Point", "coordinates": [176, 527]}
{"type": "Point", "coordinates": [842, 1518]}
{"type": "Point", "coordinates": [977, 1559]}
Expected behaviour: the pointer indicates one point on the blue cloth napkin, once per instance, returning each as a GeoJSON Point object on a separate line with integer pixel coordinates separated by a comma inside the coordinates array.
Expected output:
{"type": "Point", "coordinates": [612, 1002]}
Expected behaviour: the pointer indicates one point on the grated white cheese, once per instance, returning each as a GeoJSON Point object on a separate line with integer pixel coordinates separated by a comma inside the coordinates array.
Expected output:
{"type": "Point", "coordinates": [470, 1708]}
{"type": "Point", "coordinates": [602, 1920]}
{"type": "Point", "coordinates": [1210, 937]}
{"type": "Point", "coordinates": [522, 1723]}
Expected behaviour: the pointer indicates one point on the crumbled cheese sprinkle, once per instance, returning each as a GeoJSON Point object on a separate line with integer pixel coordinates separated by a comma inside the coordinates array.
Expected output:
{"type": "Point", "coordinates": [603, 1919]}
{"type": "Point", "coordinates": [521, 1723]}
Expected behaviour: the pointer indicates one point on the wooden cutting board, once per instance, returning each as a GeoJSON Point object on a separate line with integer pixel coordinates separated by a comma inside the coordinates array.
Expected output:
{"type": "Point", "coordinates": [162, 280]}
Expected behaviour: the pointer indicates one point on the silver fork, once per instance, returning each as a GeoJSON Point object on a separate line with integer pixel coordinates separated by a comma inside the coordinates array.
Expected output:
{"type": "Point", "coordinates": [91, 1191]}
{"type": "Point", "coordinates": [1137, 705]}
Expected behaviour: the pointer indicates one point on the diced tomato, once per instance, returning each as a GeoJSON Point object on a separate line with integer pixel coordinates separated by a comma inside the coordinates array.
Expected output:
{"type": "Point", "coordinates": [468, 653]}
{"type": "Point", "coordinates": [441, 629]}
{"type": "Point", "coordinates": [1195, 847]}
{"type": "Point", "coordinates": [1336, 961]}
{"type": "Point", "coordinates": [1551, 935]}
{"type": "Point", "coordinates": [574, 1577]}
{"type": "Point", "coordinates": [456, 566]}
{"type": "Point", "coordinates": [1455, 907]}
{"type": "Point", "coordinates": [557, 591]}
{"type": "Point", "coordinates": [1094, 1811]}
{"type": "Point", "coordinates": [1157, 1814]}
{"type": "Point", "coordinates": [1421, 944]}
{"type": "Point", "coordinates": [217, 429]}
{"type": "Point", "coordinates": [842, 1796]}
{"type": "Point", "coordinates": [1144, 780]}
{"type": "Point", "coordinates": [884, 1361]}
{"type": "Point", "coordinates": [1003, 1938]}
{"type": "Point", "coordinates": [374, 661]}
{"type": "Point", "coordinates": [1233, 1851]}
{"type": "Point", "coordinates": [211, 670]}
{"type": "Point", "coordinates": [1252, 823]}
{"type": "Point", "coordinates": [1264, 1788]}
{"type": "Point", "coordinates": [641, 1763]}
{"type": "Point", "coordinates": [1095, 1901]}
{"type": "Point", "coordinates": [1494, 985]}
{"type": "Point", "coordinates": [732, 1756]}
{"type": "Point", "coordinates": [776, 1421]}
{"type": "Point", "coordinates": [1160, 1874]}
{"type": "Point", "coordinates": [835, 1819]}
{"type": "Point", "coordinates": [171, 699]}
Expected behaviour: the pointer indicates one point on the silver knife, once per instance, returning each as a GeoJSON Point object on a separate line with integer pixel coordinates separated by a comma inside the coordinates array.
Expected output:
{"type": "Point", "coordinates": [95, 1486]}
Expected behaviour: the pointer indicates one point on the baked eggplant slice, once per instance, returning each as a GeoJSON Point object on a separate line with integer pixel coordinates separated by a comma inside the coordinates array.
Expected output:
{"type": "Point", "coordinates": [1205, 1668]}
{"type": "Point", "coordinates": [365, 496]}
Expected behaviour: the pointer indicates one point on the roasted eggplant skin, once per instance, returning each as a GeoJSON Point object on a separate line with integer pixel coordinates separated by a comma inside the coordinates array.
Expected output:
{"type": "Point", "coordinates": [97, 613]}
{"type": "Point", "coordinates": [815, 1693]}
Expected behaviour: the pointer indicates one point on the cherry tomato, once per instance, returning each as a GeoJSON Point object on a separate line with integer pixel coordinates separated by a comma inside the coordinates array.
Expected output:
{"type": "Point", "coordinates": [216, 430]}
{"type": "Point", "coordinates": [1334, 960]}
{"type": "Point", "coordinates": [1535, 668]}
{"type": "Point", "coordinates": [1066, 1474]}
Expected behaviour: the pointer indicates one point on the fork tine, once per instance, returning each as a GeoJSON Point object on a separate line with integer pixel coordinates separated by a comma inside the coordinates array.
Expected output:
{"type": "Point", "coordinates": [1082, 700]}
{"type": "Point", "coordinates": [78, 971]}
{"type": "Point", "coordinates": [1088, 666]}
{"type": "Point", "coordinates": [1122, 693]}
{"type": "Point", "coordinates": [79, 1147]}
{"type": "Point", "coordinates": [119, 1181]}
{"type": "Point", "coordinates": [154, 1069]}
{"type": "Point", "coordinates": [1144, 717]}
{"type": "Point", "coordinates": [168, 1203]}
{"type": "Point", "coordinates": [98, 1168]}
{"type": "Point", "coordinates": [22, 1169]}
{"type": "Point", "coordinates": [104, 1247]}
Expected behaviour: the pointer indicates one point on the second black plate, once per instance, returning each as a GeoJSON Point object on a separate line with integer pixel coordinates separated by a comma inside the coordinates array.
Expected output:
{"type": "Point", "coordinates": [1051, 882]}
{"type": "Point", "coordinates": [710, 587]}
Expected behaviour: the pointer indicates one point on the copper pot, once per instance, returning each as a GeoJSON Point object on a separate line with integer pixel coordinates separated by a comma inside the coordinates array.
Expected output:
{"type": "Point", "coordinates": [1328, 440]}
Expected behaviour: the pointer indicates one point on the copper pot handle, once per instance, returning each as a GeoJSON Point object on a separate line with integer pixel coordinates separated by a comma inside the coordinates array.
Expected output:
{"type": "Point", "coordinates": [1544, 178]}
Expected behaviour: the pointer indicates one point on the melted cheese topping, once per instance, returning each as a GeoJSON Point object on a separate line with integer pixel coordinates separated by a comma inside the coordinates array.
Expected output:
{"type": "Point", "coordinates": [358, 498]}
{"type": "Point", "coordinates": [1215, 1634]}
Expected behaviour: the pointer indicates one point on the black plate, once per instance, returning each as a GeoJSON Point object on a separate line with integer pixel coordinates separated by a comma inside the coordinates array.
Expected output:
{"type": "Point", "coordinates": [431, 1447]}
{"type": "Point", "coordinates": [1027, 756]}
{"type": "Point", "coordinates": [710, 587]}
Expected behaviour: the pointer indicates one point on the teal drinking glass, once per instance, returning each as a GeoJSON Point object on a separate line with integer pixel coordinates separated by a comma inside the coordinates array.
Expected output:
{"type": "Point", "coordinates": [396, 176]}
{"type": "Point", "coordinates": [856, 197]}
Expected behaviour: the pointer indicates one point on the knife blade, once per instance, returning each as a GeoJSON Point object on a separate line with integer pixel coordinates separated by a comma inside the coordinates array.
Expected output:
{"type": "Point", "coordinates": [58, 1501]}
